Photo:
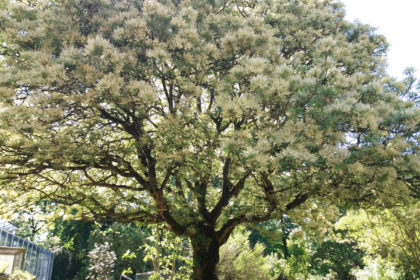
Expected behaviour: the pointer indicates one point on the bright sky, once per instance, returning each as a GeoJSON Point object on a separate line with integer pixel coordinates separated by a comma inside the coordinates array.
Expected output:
{"type": "Point", "coordinates": [399, 21]}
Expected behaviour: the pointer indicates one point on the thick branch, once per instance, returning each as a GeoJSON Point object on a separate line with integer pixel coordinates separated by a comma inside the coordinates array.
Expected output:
{"type": "Point", "coordinates": [269, 191]}
{"type": "Point", "coordinates": [201, 191]}
{"type": "Point", "coordinates": [130, 172]}
{"type": "Point", "coordinates": [165, 214]}
{"type": "Point", "coordinates": [299, 199]}
{"type": "Point", "coordinates": [169, 96]}
{"type": "Point", "coordinates": [225, 231]}
{"type": "Point", "coordinates": [227, 193]}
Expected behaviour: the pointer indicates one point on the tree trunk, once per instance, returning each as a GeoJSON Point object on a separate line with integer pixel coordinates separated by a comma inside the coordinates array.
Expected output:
{"type": "Point", "coordinates": [205, 257]}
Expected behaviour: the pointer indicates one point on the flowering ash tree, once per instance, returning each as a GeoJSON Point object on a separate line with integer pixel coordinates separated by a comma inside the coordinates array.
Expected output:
{"type": "Point", "coordinates": [201, 114]}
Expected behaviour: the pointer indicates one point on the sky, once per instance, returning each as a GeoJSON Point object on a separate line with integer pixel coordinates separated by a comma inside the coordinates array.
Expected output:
{"type": "Point", "coordinates": [399, 21]}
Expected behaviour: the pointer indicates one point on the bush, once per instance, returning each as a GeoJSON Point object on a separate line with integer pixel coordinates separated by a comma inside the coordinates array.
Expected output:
{"type": "Point", "coordinates": [17, 275]}
{"type": "Point", "coordinates": [238, 261]}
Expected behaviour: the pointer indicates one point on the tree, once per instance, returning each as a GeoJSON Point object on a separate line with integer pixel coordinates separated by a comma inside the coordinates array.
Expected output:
{"type": "Point", "coordinates": [306, 252]}
{"type": "Point", "coordinates": [203, 115]}
{"type": "Point", "coordinates": [337, 256]}
{"type": "Point", "coordinates": [236, 257]}
{"type": "Point", "coordinates": [392, 233]}
{"type": "Point", "coordinates": [75, 239]}
{"type": "Point", "coordinates": [71, 249]}
{"type": "Point", "coordinates": [170, 255]}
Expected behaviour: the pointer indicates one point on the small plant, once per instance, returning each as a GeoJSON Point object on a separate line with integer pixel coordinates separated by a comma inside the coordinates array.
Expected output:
{"type": "Point", "coordinates": [102, 262]}
{"type": "Point", "coordinates": [16, 275]}
{"type": "Point", "coordinates": [20, 275]}
{"type": "Point", "coordinates": [3, 269]}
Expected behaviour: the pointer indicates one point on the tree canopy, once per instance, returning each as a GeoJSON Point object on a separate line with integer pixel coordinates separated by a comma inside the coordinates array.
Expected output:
{"type": "Point", "coordinates": [392, 233]}
{"type": "Point", "coordinates": [200, 114]}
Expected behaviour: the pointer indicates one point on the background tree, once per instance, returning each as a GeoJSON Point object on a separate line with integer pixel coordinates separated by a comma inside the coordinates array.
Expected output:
{"type": "Point", "coordinates": [306, 253]}
{"type": "Point", "coordinates": [71, 246]}
{"type": "Point", "coordinates": [238, 261]}
{"type": "Point", "coordinates": [74, 240]}
{"type": "Point", "coordinates": [337, 255]}
{"type": "Point", "coordinates": [170, 254]}
{"type": "Point", "coordinates": [203, 115]}
{"type": "Point", "coordinates": [392, 234]}
{"type": "Point", "coordinates": [274, 235]}
{"type": "Point", "coordinates": [32, 222]}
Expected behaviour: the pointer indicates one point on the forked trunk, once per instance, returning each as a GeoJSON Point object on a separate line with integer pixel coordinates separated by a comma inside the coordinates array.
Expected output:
{"type": "Point", "coordinates": [205, 257]}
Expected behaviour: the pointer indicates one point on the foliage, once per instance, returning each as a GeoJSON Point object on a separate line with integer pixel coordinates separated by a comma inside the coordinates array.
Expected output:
{"type": "Point", "coordinates": [3, 268]}
{"type": "Point", "coordinates": [378, 268]}
{"type": "Point", "coordinates": [101, 262]}
{"type": "Point", "coordinates": [126, 241]}
{"type": "Point", "coordinates": [169, 254]}
{"type": "Point", "coordinates": [274, 235]}
{"type": "Point", "coordinates": [137, 249]}
{"type": "Point", "coordinates": [33, 221]}
{"type": "Point", "coordinates": [72, 240]}
{"type": "Point", "coordinates": [20, 275]}
{"type": "Point", "coordinates": [70, 244]}
{"type": "Point", "coordinates": [238, 261]}
{"type": "Point", "coordinates": [17, 275]}
{"type": "Point", "coordinates": [338, 256]}
{"type": "Point", "coordinates": [306, 253]}
{"type": "Point", "coordinates": [392, 233]}
{"type": "Point", "coordinates": [203, 115]}
{"type": "Point", "coordinates": [298, 263]}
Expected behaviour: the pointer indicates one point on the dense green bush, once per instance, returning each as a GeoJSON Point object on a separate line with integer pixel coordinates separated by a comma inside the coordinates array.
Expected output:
{"type": "Point", "coordinates": [238, 261]}
{"type": "Point", "coordinates": [17, 275]}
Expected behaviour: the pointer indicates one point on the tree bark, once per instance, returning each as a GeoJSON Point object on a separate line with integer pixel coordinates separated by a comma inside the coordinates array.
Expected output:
{"type": "Point", "coordinates": [205, 256]}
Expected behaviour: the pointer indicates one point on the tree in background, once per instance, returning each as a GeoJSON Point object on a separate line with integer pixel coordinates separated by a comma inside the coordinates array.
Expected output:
{"type": "Point", "coordinates": [75, 239]}
{"type": "Point", "coordinates": [274, 235]}
{"type": "Point", "coordinates": [238, 261]}
{"type": "Point", "coordinates": [392, 234]}
{"type": "Point", "coordinates": [126, 240]}
{"type": "Point", "coordinates": [306, 253]}
{"type": "Point", "coordinates": [33, 221]}
{"type": "Point", "coordinates": [170, 254]}
{"type": "Point", "coordinates": [203, 115]}
{"type": "Point", "coordinates": [336, 255]}
{"type": "Point", "coordinates": [70, 244]}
